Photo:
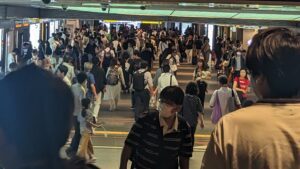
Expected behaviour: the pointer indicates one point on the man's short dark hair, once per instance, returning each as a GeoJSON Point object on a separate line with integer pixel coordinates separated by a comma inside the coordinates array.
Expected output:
{"type": "Point", "coordinates": [63, 69]}
{"type": "Point", "coordinates": [172, 94]}
{"type": "Point", "coordinates": [166, 68]}
{"type": "Point", "coordinates": [81, 77]}
{"type": "Point", "coordinates": [35, 118]}
{"type": "Point", "coordinates": [275, 54]}
{"type": "Point", "coordinates": [223, 80]}
{"type": "Point", "coordinates": [136, 52]}
{"type": "Point", "coordinates": [191, 88]}
{"type": "Point", "coordinates": [144, 64]}
{"type": "Point", "coordinates": [95, 61]}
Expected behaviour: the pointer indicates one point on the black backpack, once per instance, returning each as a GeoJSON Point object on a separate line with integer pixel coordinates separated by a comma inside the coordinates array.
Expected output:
{"type": "Point", "coordinates": [139, 81]}
{"type": "Point", "coordinates": [112, 77]}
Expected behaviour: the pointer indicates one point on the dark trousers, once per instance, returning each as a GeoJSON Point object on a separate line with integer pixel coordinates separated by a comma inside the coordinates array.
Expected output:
{"type": "Point", "coordinates": [142, 99]}
{"type": "Point", "coordinates": [77, 136]}
{"type": "Point", "coordinates": [132, 99]}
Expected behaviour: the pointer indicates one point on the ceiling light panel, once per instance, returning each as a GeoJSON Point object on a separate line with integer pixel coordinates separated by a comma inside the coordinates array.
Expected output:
{"type": "Point", "coordinates": [203, 14]}
{"type": "Point", "coordinates": [265, 16]}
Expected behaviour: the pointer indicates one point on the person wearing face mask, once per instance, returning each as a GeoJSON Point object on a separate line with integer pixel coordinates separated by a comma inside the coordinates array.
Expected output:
{"type": "Point", "coordinates": [161, 139]}
{"type": "Point", "coordinates": [238, 62]}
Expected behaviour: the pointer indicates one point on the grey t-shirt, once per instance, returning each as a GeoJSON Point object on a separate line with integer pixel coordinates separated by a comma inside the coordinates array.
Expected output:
{"type": "Point", "coordinates": [191, 108]}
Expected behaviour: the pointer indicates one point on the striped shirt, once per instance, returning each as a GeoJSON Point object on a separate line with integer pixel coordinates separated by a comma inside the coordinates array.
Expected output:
{"type": "Point", "coordinates": [152, 149]}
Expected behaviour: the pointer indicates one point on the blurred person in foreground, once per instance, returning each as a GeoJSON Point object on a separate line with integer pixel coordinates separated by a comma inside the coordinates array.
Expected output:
{"type": "Point", "coordinates": [265, 135]}
{"type": "Point", "coordinates": [33, 128]}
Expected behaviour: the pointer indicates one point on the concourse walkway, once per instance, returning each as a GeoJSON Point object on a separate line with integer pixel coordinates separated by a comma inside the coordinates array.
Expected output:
{"type": "Point", "coordinates": [108, 143]}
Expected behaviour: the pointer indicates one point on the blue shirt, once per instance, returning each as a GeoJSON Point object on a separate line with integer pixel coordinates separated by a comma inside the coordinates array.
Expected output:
{"type": "Point", "coordinates": [90, 81]}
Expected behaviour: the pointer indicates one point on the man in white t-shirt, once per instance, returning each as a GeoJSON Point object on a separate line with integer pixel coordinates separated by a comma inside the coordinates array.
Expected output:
{"type": "Point", "coordinates": [166, 79]}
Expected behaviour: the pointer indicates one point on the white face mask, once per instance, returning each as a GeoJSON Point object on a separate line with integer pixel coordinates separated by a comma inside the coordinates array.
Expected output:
{"type": "Point", "coordinates": [238, 53]}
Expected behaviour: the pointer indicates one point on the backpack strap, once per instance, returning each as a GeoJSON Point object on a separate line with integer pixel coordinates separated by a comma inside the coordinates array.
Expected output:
{"type": "Point", "coordinates": [171, 80]}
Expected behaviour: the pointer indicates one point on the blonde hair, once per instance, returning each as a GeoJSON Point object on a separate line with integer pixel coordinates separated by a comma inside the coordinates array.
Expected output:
{"type": "Point", "coordinates": [88, 66]}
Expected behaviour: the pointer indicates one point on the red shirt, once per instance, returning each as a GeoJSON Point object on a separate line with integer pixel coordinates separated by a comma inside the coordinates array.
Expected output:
{"type": "Point", "coordinates": [242, 84]}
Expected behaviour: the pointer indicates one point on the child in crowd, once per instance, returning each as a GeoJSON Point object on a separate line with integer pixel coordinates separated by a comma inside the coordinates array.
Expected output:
{"type": "Point", "coordinates": [86, 130]}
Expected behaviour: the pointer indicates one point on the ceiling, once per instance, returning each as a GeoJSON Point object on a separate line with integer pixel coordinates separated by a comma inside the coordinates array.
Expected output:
{"type": "Point", "coordinates": [240, 9]}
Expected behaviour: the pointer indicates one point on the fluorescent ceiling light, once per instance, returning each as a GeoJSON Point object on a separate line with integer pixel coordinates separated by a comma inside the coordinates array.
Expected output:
{"type": "Point", "coordinates": [125, 5]}
{"type": "Point", "coordinates": [204, 14]}
{"type": "Point", "coordinates": [147, 12]}
{"type": "Point", "coordinates": [265, 16]}
{"type": "Point", "coordinates": [90, 4]}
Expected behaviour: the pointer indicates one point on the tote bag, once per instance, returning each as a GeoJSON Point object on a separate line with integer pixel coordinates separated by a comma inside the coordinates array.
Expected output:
{"type": "Point", "coordinates": [217, 112]}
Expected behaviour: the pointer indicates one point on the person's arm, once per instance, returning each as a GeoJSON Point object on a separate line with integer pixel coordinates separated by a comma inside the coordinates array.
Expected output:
{"type": "Point", "coordinates": [201, 120]}
{"type": "Point", "coordinates": [212, 99]}
{"type": "Point", "coordinates": [200, 110]}
{"type": "Point", "coordinates": [184, 162]}
{"type": "Point", "coordinates": [186, 148]}
{"type": "Point", "coordinates": [237, 100]}
{"type": "Point", "coordinates": [121, 76]}
{"type": "Point", "coordinates": [93, 88]}
{"type": "Point", "coordinates": [150, 82]}
{"type": "Point", "coordinates": [126, 153]}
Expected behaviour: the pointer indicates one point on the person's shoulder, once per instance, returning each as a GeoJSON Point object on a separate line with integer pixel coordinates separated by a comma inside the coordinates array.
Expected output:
{"type": "Point", "coordinates": [246, 117]}
{"type": "Point", "coordinates": [151, 116]}
{"type": "Point", "coordinates": [182, 122]}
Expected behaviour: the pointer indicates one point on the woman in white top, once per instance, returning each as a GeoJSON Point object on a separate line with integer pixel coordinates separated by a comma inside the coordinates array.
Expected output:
{"type": "Point", "coordinates": [114, 78]}
{"type": "Point", "coordinates": [173, 61]}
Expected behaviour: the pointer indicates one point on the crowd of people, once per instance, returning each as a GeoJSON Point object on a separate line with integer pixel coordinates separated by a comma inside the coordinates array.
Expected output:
{"type": "Point", "coordinates": [99, 65]}
{"type": "Point", "coordinates": [95, 64]}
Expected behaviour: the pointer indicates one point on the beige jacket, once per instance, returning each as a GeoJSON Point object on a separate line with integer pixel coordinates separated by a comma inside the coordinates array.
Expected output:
{"type": "Point", "coordinates": [263, 136]}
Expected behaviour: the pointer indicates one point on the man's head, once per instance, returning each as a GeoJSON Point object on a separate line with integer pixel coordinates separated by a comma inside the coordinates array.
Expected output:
{"type": "Point", "coordinates": [62, 70]}
{"type": "Point", "coordinates": [81, 78]}
{"type": "Point", "coordinates": [273, 59]}
{"type": "Point", "coordinates": [136, 53]}
{"type": "Point", "coordinates": [144, 65]}
{"type": "Point", "coordinates": [35, 119]}
{"type": "Point", "coordinates": [171, 99]}
{"type": "Point", "coordinates": [88, 66]}
{"type": "Point", "coordinates": [166, 68]}
{"type": "Point", "coordinates": [95, 61]}
{"type": "Point", "coordinates": [223, 80]}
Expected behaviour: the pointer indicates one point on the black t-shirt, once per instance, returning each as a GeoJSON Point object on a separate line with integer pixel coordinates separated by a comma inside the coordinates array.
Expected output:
{"type": "Point", "coordinates": [218, 49]}
{"type": "Point", "coordinates": [189, 44]}
{"type": "Point", "coordinates": [100, 78]}
{"type": "Point", "coordinates": [198, 44]}
{"type": "Point", "coordinates": [202, 86]}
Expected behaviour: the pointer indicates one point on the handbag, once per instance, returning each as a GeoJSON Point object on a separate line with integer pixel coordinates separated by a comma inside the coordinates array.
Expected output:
{"type": "Point", "coordinates": [217, 112]}
{"type": "Point", "coordinates": [231, 104]}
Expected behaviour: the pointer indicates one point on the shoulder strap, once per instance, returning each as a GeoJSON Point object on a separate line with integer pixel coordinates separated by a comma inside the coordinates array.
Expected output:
{"type": "Point", "coordinates": [171, 80]}
{"type": "Point", "coordinates": [217, 98]}
{"type": "Point", "coordinates": [232, 93]}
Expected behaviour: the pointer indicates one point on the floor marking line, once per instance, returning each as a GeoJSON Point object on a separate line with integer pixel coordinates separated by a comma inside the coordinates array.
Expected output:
{"type": "Point", "coordinates": [126, 133]}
